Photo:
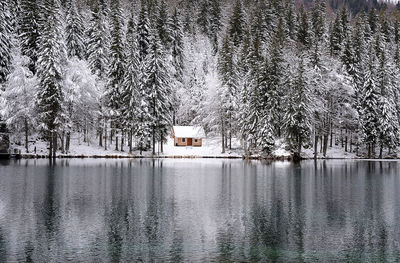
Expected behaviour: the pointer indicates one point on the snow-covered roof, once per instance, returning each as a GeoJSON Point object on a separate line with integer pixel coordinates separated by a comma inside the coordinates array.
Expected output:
{"type": "Point", "coordinates": [188, 131]}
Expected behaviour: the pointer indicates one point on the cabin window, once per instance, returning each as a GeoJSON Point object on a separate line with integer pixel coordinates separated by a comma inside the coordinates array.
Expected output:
{"type": "Point", "coordinates": [195, 140]}
{"type": "Point", "coordinates": [183, 139]}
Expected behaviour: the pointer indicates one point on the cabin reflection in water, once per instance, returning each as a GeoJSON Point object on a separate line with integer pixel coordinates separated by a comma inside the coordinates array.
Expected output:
{"type": "Point", "coordinates": [197, 211]}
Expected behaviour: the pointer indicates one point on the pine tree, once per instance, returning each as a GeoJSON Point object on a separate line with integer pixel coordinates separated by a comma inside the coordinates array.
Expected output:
{"type": "Point", "coordinates": [388, 126]}
{"type": "Point", "coordinates": [159, 92]}
{"type": "Point", "coordinates": [143, 33]}
{"type": "Point", "coordinates": [336, 37]}
{"type": "Point", "coordinates": [297, 117]}
{"type": "Point", "coordinates": [30, 23]}
{"type": "Point", "coordinates": [132, 108]}
{"type": "Point", "coordinates": [290, 16]}
{"type": "Point", "coordinates": [369, 108]}
{"type": "Point", "coordinates": [116, 72]}
{"type": "Point", "coordinates": [74, 31]}
{"type": "Point", "coordinates": [5, 40]}
{"type": "Point", "coordinates": [203, 19]}
{"type": "Point", "coordinates": [97, 46]}
{"type": "Point", "coordinates": [215, 22]}
{"type": "Point", "coordinates": [177, 46]}
{"type": "Point", "coordinates": [51, 57]}
{"type": "Point", "coordinates": [237, 24]}
{"type": "Point", "coordinates": [303, 33]}
{"type": "Point", "coordinates": [163, 25]}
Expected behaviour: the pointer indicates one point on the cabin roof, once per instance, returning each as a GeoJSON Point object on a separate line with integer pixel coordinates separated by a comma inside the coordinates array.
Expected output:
{"type": "Point", "coordinates": [188, 131]}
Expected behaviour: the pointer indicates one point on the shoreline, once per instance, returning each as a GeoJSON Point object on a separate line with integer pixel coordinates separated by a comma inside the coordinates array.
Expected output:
{"type": "Point", "coordinates": [237, 157]}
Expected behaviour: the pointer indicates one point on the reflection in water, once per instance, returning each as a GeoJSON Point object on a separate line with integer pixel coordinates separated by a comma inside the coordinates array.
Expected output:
{"type": "Point", "coordinates": [196, 210]}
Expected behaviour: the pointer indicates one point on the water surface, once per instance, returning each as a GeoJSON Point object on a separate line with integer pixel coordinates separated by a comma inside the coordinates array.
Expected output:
{"type": "Point", "coordinates": [199, 211]}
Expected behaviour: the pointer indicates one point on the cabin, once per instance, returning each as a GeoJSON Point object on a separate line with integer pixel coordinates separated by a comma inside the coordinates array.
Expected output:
{"type": "Point", "coordinates": [188, 135]}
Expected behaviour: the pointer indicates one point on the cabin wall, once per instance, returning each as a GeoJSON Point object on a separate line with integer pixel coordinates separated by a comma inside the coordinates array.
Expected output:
{"type": "Point", "coordinates": [199, 142]}
{"type": "Point", "coordinates": [179, 142]}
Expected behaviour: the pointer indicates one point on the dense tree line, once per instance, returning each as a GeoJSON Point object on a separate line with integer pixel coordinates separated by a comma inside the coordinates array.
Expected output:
{"type": "Point", "coordinates": [264, 72]}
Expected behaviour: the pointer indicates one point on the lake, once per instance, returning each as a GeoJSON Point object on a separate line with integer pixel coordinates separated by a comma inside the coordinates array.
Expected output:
{"type": "Point", "coordinates": [184, 210]}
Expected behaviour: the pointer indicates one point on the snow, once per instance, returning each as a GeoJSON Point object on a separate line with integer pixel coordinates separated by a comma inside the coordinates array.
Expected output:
{"type": "Point", "coordinates": [188, 132]}
{"type": "Point", "coordinates": [211, 148]}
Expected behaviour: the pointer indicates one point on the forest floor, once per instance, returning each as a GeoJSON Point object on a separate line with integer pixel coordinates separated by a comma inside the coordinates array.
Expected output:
{"type": "Point", "coordinates": [211, 149]}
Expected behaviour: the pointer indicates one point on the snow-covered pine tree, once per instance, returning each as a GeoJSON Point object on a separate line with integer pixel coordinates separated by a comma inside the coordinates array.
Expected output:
{"type": "Point", "coordinates": [388, 126]}
{"type": "Point", "coordinates": [229, 90]}
{"type": "Point", "coordinates": [177, 54]}
{"type": "Point", "coordinates": [237, 24]}
{"type": "Point", "coordinates": [131, 97]}
{"type": "Point", "coordinates": [97, 43]}
{"type": "Point", "coordinates": [143, 32]}
{"type": "Point", "coordinates": [5, 40]}
{"type": "Point", "coordinates": [267, 97]}
{"type": "Point", "coordinates": [74, 31]}
{"type": "Point", "coordinates": [297, 116]}
{"type": "Point", "coordinates": [369, 108]}
{"type": "Point", "coordinates": [30, 22]}
{"type": "Point", "coordinates": [335, 38]}
{"type": "Point", "coordinates": [290, 18]}
{"type": "Point", "coordinates": [215, 22]}
{"type": "Point", "coordinates": [303, 30]}
{"type": "Point", "coordinates": [51, 59]}
{"type": "Point", "coordinates": [162, 24]}
{"type": "Point", "coordinates": [203, 19]}
{"type": "Point", "coordinates": [116, 71]}
{"type": "Point", "coordinates": [158, 88]}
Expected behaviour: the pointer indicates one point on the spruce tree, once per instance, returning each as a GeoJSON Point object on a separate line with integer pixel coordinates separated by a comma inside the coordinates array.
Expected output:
{"type": "Point", "coordinates": [74, 31]}
{"type": "Point", "coordinates": [158, 88]}
{"type": "Point", "coordinates": [303, 33]}
{"type": "Point", "coordinates": [116, 72]}
{"type": "Point", "coordinates": [5, 40]}
{"type": "Point", "coordinates": [163, 24]}
{"type": "Point", "coordinates": [297, 117]}
{"type": "Point", "coordinates": [97, 45]}
{"type": "Point", "coordinates": [237, 24]}
{"type": "Point", "coordinates": [30, 22]}
{"type": "Point", "coordinates": [369, 108]}
{"type": "Point", "coordinates": [51, 58]}
{"type": "Point", "coordinates": [143, 32]}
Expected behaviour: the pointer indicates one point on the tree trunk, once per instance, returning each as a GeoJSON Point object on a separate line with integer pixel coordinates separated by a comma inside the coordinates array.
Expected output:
{"type": "Point", "coordinates": [154, 141]}
{"type": "Point", "coordinates": [122, 141]}
{"type": "Point", "coordinates": [345, 141]}
{"type": "Point", "coordinates": [325, 148]}
{"type": "Point", "coordinates": [116, 141]}
{"type": "Point", "coordinates": [351, 142]}
{"type": "Point", "coordinates": [26, 136]}
{"type": "Point", "coordinates": [51, 145]}
{"type": "Point", "coordinates": [369, 150]}
{"type": "Point", "coordinates": [62, 142]}
{"type": "Point", "coordinates": [105, 135]}
{"type": "Point", "coordinates": [130, 141]}
{"type": "Point", "coordinates": [381, 151]}
{"type": "Point", "coordinates": [54, 144]}
{"type": "Point", "coordinates": [299, 146]}
{"type": "Point", "coordinates": [315, 147]}
{"type": "Point", "coordinates": [223, 137]}
{"type": "Point", "coordinates": [67, 142]}
{"type": "Point", "coordinates": [331, 142]}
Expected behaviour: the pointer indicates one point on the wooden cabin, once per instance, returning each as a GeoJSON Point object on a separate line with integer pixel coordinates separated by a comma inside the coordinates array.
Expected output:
{"type": "Point", "coordinates": [188, 135]}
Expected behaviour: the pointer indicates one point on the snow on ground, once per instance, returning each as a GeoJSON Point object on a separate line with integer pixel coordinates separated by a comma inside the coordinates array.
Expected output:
{"type": "Point", "coordinates": [211, 148]}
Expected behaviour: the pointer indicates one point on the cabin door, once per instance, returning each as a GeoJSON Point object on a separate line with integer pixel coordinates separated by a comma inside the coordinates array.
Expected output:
{"type": "Point", "coordinates": [189, 141]}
